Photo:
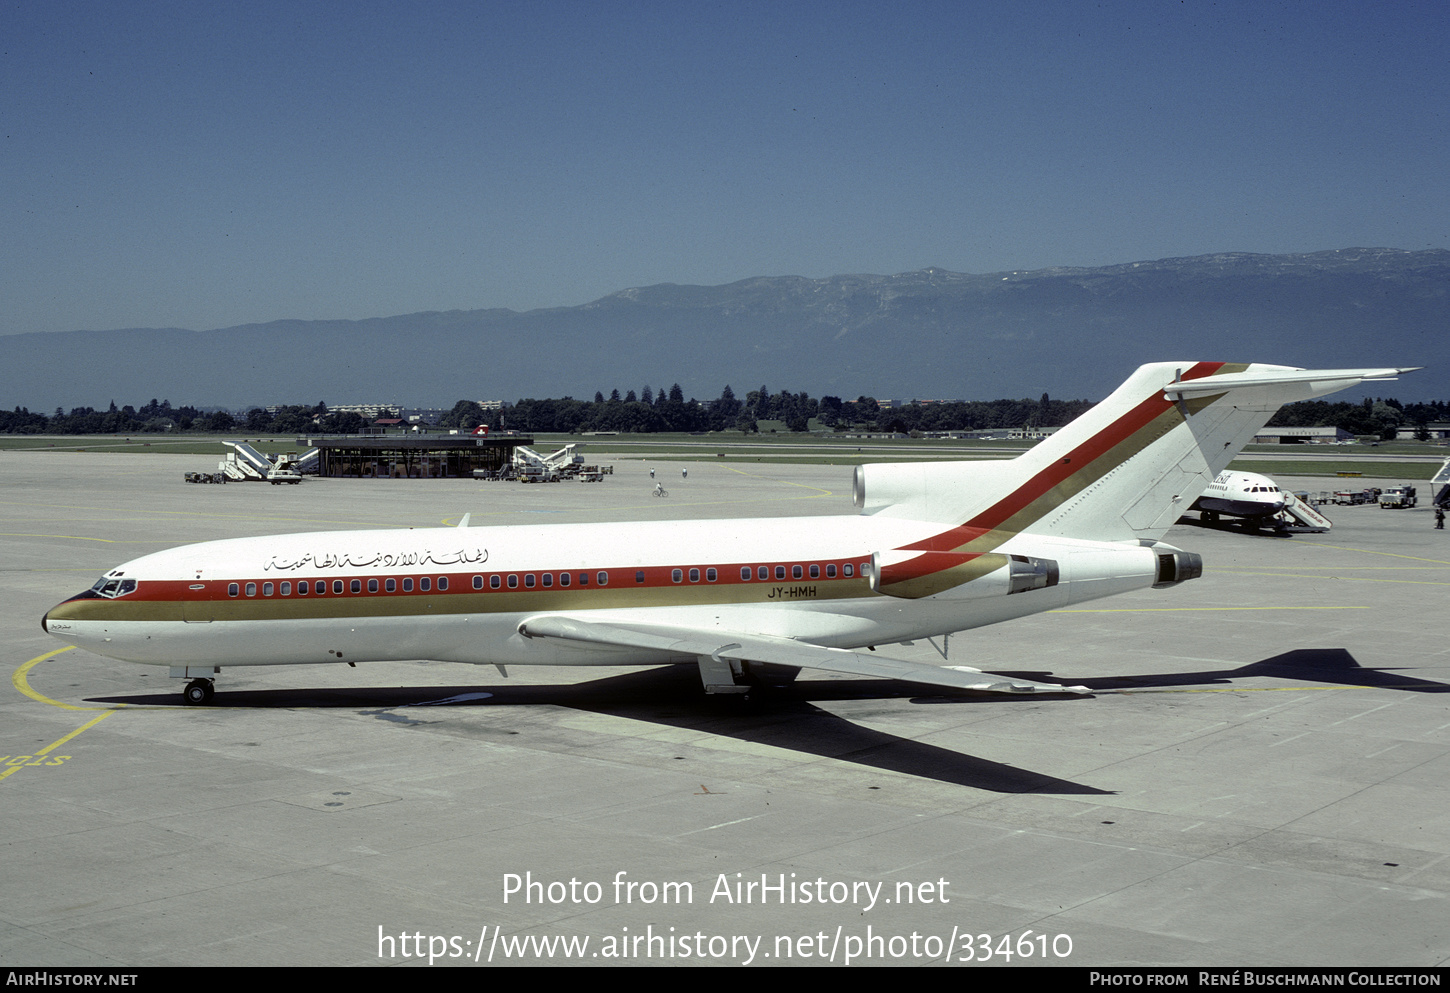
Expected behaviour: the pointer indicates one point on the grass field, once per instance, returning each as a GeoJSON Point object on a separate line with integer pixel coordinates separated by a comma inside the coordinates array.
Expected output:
{"type": "Point", "coordinates": [1389, 469]}
{"type": "Point", "coordinates": [1401, 460]}
{"type": "Point", "coordinates": [191, 445]}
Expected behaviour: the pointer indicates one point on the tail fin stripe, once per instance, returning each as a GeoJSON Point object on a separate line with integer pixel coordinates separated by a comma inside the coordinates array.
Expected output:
{"type": "Point", "coordinates": [1049, 487]}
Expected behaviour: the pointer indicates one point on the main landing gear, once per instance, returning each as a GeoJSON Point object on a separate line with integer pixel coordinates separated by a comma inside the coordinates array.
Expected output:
{"type": "Point", "coordinates": [203, 682]}
{"type": "Point", "coordinates": [740, 679]}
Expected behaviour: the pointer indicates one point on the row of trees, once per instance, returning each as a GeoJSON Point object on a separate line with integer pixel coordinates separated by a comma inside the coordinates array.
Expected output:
{"type": "Point", "coordinates": [301, 419]}
{"type": "Point", "coordinates": [1381, 418]}
{"type": "Point", "coordinates": [668, 410]}
{"type": "Point", "coordinates": [154, 416]}
{"type": "Point", "coordinates": [651, 411]}
{"type": "Point", "coordinates": [160, 416]}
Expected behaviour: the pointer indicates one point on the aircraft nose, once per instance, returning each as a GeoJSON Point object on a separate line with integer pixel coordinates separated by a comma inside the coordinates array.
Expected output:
{"type": "Point", "coordinates": [60, 610]}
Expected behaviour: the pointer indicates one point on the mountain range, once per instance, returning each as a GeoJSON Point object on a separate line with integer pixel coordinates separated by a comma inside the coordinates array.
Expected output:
{"type": "Point", "coordinates": [929, 334]}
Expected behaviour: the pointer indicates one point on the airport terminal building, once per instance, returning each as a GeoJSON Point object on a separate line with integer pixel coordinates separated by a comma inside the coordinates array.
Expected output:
{"type": "Point", "coordinates": [414, 457]}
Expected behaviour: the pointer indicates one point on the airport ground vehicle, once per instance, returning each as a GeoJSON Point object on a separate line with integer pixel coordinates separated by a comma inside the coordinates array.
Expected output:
{"type": "Point", "coordinates": [1398, 497]}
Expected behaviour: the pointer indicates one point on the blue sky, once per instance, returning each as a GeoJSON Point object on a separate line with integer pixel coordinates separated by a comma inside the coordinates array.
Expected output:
{"type": "Point", "coordinates": [202, 165]}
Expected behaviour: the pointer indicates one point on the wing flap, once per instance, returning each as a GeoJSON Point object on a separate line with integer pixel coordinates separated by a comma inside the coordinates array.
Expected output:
{"type": "Point", "coordinates": [719, 645]}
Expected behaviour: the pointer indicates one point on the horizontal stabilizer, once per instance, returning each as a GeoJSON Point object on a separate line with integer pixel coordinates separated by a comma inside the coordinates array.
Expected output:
{"type": "Point", "coordinates": [1321, 380]}
{"type": "Point", "coordinates": [716, 644]}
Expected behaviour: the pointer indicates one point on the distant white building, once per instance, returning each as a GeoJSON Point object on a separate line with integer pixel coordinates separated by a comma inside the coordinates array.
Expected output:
{"type": "Point", "coordinates": [368, 411]}
{"type": "Point", "coordinates": [1301, 436]}
{"type": "Point", "coordinates": [1435, 429]}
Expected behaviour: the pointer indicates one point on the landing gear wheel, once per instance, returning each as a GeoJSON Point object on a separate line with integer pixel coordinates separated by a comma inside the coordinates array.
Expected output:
{"type": "Point", "coordinates": [198, 691]}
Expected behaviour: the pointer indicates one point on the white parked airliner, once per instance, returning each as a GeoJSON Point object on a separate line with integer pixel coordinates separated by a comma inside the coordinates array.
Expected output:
{"type": "Point", "coordinates": [936, 548]}
{"type": "Point", "coordinates": [1240, 494]}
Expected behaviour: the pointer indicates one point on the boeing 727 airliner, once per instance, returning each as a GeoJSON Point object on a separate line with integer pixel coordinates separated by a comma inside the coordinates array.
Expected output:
{"type": "Point", "coordinates": [936, 548]}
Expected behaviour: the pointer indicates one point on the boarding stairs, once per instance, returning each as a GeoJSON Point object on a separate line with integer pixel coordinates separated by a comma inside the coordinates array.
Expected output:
{"type": "Point", "coordinates": [310, 463]}
{"type": "Point", "coordinates": [1440, 486]}
{"type": "Point", "coordinates": [547, 467]}
{"type": "Point", "coordinates": [1298, 517]}
{"type": "Point", "coordinates": [245, 464]}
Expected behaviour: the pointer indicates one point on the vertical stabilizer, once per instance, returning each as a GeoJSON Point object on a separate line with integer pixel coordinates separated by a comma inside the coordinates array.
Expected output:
{"type": "Point", "coordinates": [1125, 470]}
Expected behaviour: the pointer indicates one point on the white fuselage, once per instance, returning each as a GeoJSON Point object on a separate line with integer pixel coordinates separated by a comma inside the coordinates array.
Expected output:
{"type": "Point", "coordinates": [374, 596]}
{"type": "Point", "coordinates": [1242, 494]}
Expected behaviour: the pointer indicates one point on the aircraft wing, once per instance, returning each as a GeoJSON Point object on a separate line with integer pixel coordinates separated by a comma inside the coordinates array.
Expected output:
{"type": "Point", "coordinates": [708, 643]}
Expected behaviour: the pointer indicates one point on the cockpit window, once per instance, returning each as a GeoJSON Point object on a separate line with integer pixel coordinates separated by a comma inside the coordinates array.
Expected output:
{"type": "Point", "coordinates": [111, 587]}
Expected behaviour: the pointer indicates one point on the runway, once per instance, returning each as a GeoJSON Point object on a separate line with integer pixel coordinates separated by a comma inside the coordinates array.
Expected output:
{"type": "Point", "coordinates": [1261, 777]}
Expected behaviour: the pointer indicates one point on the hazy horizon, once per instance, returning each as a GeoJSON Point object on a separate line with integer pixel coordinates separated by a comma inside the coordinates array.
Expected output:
{"type": "Point", "coordinates": [208, 166]}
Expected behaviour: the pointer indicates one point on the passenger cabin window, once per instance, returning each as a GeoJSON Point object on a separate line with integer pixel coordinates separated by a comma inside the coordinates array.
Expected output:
{"type": "Point", "coordinates": [372, 585]}
{"type": "Point", "coordinates": [847, 570]}
{"type": "Point", "coordinates": [408, 584]}
{"type": "Point", "coordinates": [639, 575]}
{"type": "Point", "coordinates": [494, 582]}
{"type": "Point", "coordinates": [337, 586]}
{"type": "Point", "coordinates": [745, 574]}
{"type": "Point", "coordinates": [423, 584]}
{"type": "Point", "coordinates": [603, 578]}
{"type": "Point", "coordinates": [763, 572]}
{"type": "Point", "coordinates": [356, 585]}
{"type": "Point", "coordinates": [563, 579]}
{"type": "Point", "coordinates": [266, 589]}
{"type": "Point", "coordinates": [676, 575]}
{"type": "Point", "coordinates": [529, 581]}
{"type": "Point", "coordinates": [233, 589]}
{"type": "Point", "coordinates": [795, 572]}
{"type": "Point", "coordinates": [251, 589]}
{"type": "Point", "coordinates": [830, 570]}
{"type": "Point", "coordinates": [780, 572]}
{"type": "Point", "coordinates": [478, 582]}
{"type": "Point", "coordinates": [442, 583]}
{"type": "Point", "coordinates": [391, 585]}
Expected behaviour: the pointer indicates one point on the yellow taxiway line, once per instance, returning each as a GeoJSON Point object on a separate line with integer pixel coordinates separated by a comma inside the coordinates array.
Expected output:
{"type": "Point", "coordinates": [19, 679]}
